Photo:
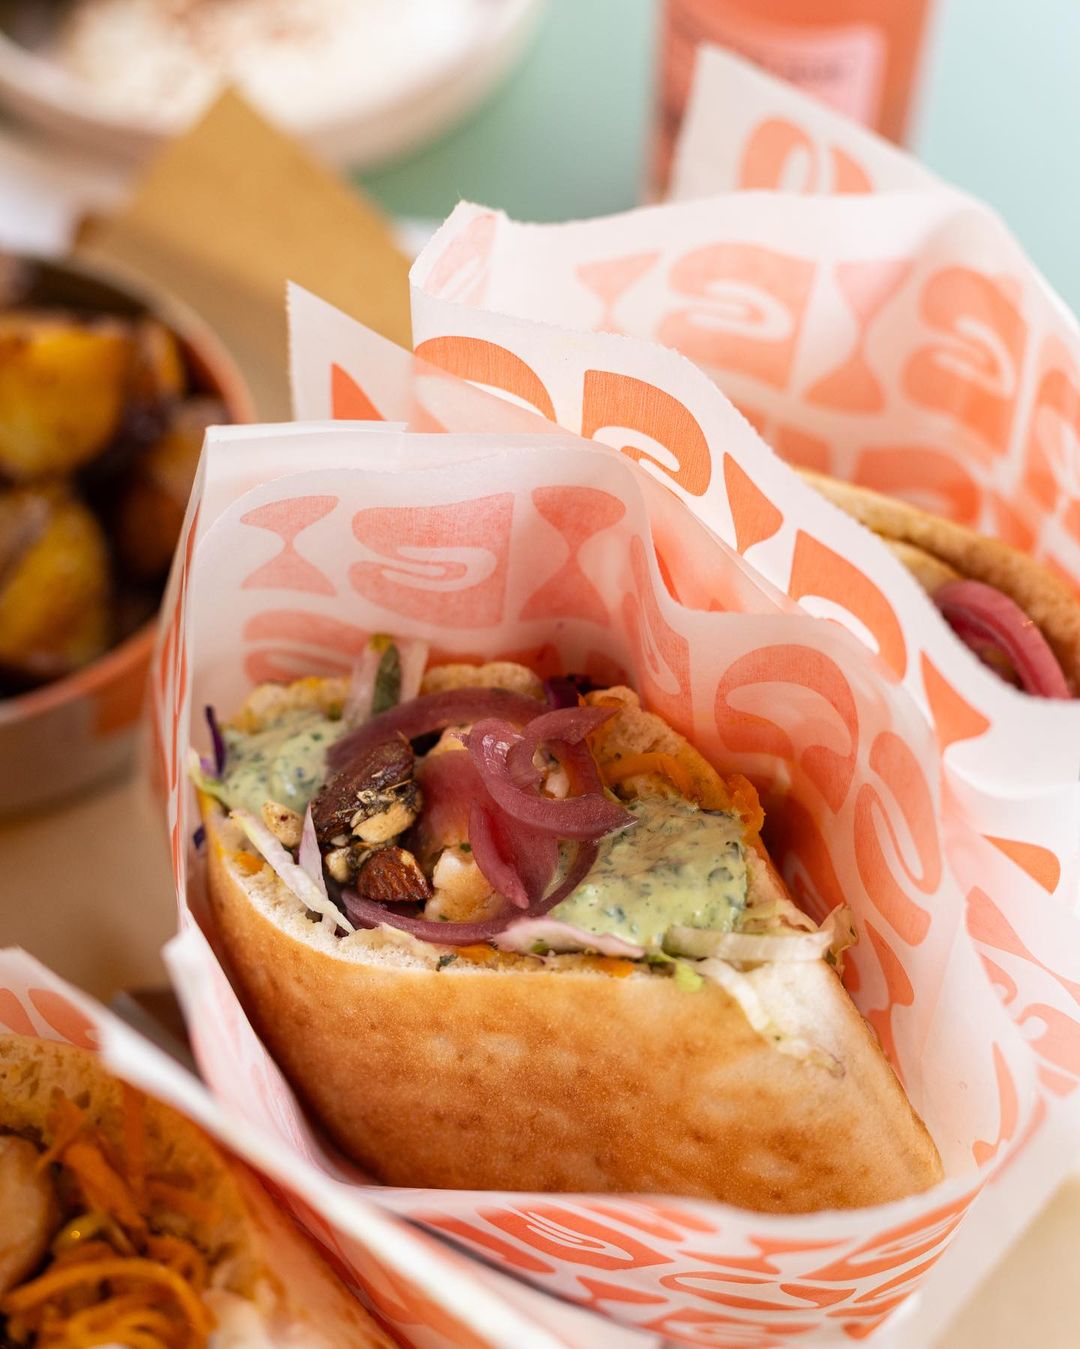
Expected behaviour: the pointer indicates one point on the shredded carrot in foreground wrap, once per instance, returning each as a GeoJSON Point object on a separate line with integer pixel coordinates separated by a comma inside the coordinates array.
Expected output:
{"type": "Point", "coordinates": [111, 1279]}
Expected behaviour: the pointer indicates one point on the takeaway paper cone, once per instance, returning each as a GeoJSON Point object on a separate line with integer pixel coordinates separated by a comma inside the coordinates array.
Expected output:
{"type": "Point", "coordinates": [303, 540]}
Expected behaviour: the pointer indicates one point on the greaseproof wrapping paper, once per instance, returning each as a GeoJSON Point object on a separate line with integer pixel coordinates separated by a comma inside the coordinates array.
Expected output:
{"type": "Point", "coordinates": [428, 1295]}
{"type": "Point", "coordinates": [900, 339]}
{"type": "Point", "coordinates": [765, 312]}
{"type": "Point", "coordinates": [303, 540]}
{"type": "Point", "coordinates": [746, 130]}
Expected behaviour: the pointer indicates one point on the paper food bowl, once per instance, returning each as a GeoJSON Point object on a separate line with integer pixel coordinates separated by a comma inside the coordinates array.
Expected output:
{"type": "Point", "coordinates": [411, 101]}
{"type": "Point", "coordinates": [63, 737]}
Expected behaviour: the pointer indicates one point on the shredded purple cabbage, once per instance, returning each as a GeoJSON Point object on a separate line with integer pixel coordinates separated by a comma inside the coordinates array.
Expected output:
{"type": "Point", "coordinates": [219, 742]}
{"type": "Point", "coordinates": [199, 836]}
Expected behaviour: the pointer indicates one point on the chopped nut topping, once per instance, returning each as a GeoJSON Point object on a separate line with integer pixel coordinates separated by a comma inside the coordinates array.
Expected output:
{"type": "Point", "coordinates": [285, 824]}
{"type": "Point", "coordinates": [392, 876]}
{"type": "Point", "coordinates": [460, 891]}
{"type": "Point", "coordinates": [373, 799]}
{"type": "Point", "coordinates": [398, 816]}
{"type": "Point", "coordinates": [341, 865]}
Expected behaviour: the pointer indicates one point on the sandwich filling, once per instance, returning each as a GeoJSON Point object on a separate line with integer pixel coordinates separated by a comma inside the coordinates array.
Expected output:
{"type": "Point", "coordinates": [483, 812]}
{"type": "Point", "coordinates": [95, 1249]}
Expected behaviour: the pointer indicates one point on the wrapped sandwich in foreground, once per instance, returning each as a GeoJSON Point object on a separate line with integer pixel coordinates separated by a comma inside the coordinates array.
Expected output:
{"type": "Point", "coordinates": [1019, 617]}
{"type": "Point", "coordinates": [121, 1223]}
{"type": "Point", "coordinates": [514, 936]}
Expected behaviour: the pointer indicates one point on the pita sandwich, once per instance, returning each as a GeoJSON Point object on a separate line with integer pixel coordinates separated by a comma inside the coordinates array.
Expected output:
{"type": "Point", "coordinates": [500, 944]}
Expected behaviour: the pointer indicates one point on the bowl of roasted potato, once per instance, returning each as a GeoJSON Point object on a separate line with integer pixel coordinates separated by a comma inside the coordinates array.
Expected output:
{"type": "Point", "coordinates": [105, 397]}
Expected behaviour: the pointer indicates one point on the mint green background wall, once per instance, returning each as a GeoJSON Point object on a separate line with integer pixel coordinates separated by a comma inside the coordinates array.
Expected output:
{"type": "Point", "coordinates": [564, 137]}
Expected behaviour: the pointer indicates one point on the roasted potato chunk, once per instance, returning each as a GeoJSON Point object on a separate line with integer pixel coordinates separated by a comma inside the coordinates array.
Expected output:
{"type": "Point", "coordinates": [63, 387]}
{"type": "Point", "coordinates": [152, 509]}
{"type": "Point", "coordinates": [158, 374]}
{"type": "Point", "coordinates": [54, 584]}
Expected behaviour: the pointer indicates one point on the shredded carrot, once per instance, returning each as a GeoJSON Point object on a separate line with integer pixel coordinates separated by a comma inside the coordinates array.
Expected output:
{"type": "Point", "coordinates": [134, 1131]}
{"type": "Point", "coordinates": [745, 802]}
{"type": "Point", "coordinates": [121, 1318]}
{"type": "Point", "coordinates": [652, 762]}
{"type": "Point", "coordinates": [125, 1319]}
{"type": "Point", "coordinates": [110, 1279]}
{"type": "Point", "coordinates": [66, 1121]}
{"type": "Point", "coordinates": [55, 1282]}
{"type": "Point", "coordinates": [161, 1194]}
{"type": "Point", "coordinates": [101, 1187]}
{"type": "Point", "coordinates": [180, 1255]}
{"type": "Point", "coordinates": [612, 965]}
{"type": "Point", "coordinates": [247, 862]}
{"type": "Point", "coordinates": [79, 1254]}
{"type": "Point", "coordinates": [481, 955]}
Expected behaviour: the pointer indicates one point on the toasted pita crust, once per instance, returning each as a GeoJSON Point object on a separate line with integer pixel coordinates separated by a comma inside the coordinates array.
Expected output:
{"type": "Point", "coordinates": [1045, 597]}
{"type": "Point", "coordinates": [580, 1074]}
{"type": "Point", "coordinates": [265, 1254]}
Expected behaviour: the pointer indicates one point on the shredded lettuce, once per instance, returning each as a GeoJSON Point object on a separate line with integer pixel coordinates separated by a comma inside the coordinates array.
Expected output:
{"type": "Point", "coordinates": [296, 879]}
{"type": "Point", "coordinates": [775, 944]}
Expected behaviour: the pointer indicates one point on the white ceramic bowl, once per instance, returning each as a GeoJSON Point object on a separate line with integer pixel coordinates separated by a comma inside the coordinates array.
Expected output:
{"type": "Point", "coordinates": [416, 104]}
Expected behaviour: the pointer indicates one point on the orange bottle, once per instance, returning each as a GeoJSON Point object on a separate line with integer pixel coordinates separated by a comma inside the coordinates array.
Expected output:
{"type": "Point", "coordinates": [859, 56]}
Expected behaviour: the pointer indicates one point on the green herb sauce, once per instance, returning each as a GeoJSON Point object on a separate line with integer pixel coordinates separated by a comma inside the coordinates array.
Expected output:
{"type": "Point", "coordinates": [678, 865]}
{"type": "Point", "coordinates": [286, 762]}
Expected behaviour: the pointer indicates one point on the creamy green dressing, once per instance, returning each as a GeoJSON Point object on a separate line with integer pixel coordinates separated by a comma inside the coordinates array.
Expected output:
{"type": "Point", "coordinates": [679, 865]}
{"type": "Point", "coordinates": [286, 762]}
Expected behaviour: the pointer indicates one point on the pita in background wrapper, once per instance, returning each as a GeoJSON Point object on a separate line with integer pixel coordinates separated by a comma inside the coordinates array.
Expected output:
{"type": "Point", "coordinates": [561, 555]}
{"type": "Point", "coordinates": [1021, 617]}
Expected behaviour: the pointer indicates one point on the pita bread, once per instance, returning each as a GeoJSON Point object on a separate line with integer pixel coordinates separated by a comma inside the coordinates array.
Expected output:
{"type": "Point", "coordinates": [479, 1069]}
{"type": "Point", "coordinates": [263, 1256]}
{"type": "Point", "coordinates": [946, 547]}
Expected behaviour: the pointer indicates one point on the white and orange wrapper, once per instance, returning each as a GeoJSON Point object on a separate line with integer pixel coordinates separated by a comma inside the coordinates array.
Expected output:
{"type": "Point", "coordinates": [612, 511]}
{"type": "Point", "coordinates": [874, 324]}
{"type": "Point", "coordinates": [529, 542]}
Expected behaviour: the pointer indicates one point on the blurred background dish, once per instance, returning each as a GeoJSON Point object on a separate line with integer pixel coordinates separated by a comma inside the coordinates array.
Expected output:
{"type": "Point", "coordinates": [104, 399]}
{"type": "Point", "coordinates": [358, 80]}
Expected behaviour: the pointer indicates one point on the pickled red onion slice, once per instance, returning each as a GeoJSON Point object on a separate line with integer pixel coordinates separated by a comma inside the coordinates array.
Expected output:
{"type": "Point", "coordinates": [981, 616]}
{"type": "Point", "coordinates": [434, 712]}
{"type": "Point", "coordinates": [367, 913]}
{"type": "Point", "coordinates": [516, 861]}
{"type": "Point", "coordinates": [589, 816]}
{"type": "Point", "coordinates": [449, 783]}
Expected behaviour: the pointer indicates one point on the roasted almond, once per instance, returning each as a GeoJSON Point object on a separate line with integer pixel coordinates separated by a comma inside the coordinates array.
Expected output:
{"type": "Point", "coordinates": [392, 876]}
{"type": "Point", "coordinates": [369, 785]}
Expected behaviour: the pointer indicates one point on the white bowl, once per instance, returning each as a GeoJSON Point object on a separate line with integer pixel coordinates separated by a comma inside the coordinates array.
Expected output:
{"type": "Point", "coordinates": [414, 104]}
